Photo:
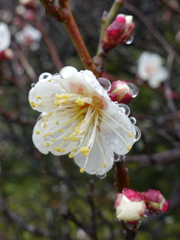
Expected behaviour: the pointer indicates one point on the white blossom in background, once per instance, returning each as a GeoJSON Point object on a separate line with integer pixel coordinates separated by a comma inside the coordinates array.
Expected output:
{"type": "Point", "coordinates": [79, 118]}
{"type": "Point", "coordinates": [150, 68]}
{"type": "Point", "coordinates": [5, 37]}
{"type": "Point", "coordinates": [29, 36]}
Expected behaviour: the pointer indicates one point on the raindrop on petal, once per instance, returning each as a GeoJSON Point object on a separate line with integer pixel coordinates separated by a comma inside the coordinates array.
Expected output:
{"type": "Point", "coordinates": [125, 109]}
{"type": "Point", "coordinates": [101, 176]}
{"type": "Point", "coordinates": [67, 72]}
{"type": "Point", "coordinates": [128, 225]}
{"type": "Point", "coordinates": [117, 219]}
{"type": "Point", "coordinates": [39, 118]}
{"type": "Point", "coordinates": [105, 83]}
{"type": "Point", "coordinates": [118, 158]}
{"type": "Point", "coordinates": [130, 39]}
{"type": "Point", "coordinates": [33, 85]}
{"type": "Point", "coordinates": [55, 74]}
{"type": "Point", "coordinates": [134, 89]}
{"type": "Point", "coordinates": [133, 120]}
{"type": "Point", "coordinates": [45, 76]}
{"type": "Point", "coordinates": [137, 133]}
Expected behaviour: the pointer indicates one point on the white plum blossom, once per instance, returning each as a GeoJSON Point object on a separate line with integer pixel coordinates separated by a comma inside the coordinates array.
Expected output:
{"type": "Point", "coordinates": [5, 37]}
{"type": "Point", "coordinates": [150, 68]}
{"type": "Point", "coordinates": [29, 36]}
{"type": "Point", "coordinates": [78, 118]}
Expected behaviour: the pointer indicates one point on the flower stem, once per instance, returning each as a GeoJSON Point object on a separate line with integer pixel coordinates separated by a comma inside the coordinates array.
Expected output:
{"type": "Point", "coordinates": [61, 12]}
{"type": "Point", "coordinates": [121, 176]}
{"type": "Point", "coordinates": [106, 20]}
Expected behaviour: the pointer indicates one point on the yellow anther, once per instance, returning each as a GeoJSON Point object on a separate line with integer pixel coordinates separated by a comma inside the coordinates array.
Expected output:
{"type": "Point", "coordinates": [53, 140]}
{"type": "Point", "coordinates": [60, 130]}
{"type": "Point", "coordinates": [56, 103]}
{"type": "Point", "coordinates": [56, 122]}
{"type": "Point", "coordinates": [131, 135]}
{"type": "Point", "coordinates": [32, 104]}
{"type": "Point", "coordinates": [37, 132]}
{"type": "Point", "coordinates": [81, 170]}
{"type": "Point", "coordinates": [70, 155]}
{"type": "Point", "coordinates": [50, 113]}
{"type": "Point", "coordinates": [73, 138]}
{"type": "Point", "coordinates": [40, 105]}
{"type": "Point", "coordinates": [74, 149]}
{"type": "Point", "coordinates": [104, 164]}
{"type": "Point", "coordinates": [76, 130]}
{"type": "Point", "coordinates": [83, 121]}
{"type": "Point", "coordinates": [39, 97]}
{"type": "Point", "coordinates": [83, 133]}
{"type": "Point", "coordinates": [49, 80]}
{"type": "Point", "coordinates": [128, 148]}
{"type": "Point", "coordinates": [80, 102]}
{"type": "Point", "coordinates": [49, 134]}
{"type": "Point", "coordinates": [65, 96]}
{"type": "Point", "coordinates": [44, 125]}
{"type": "Point", "coordinates": [47, 144]}
{"type": "Point", "coordinates": [65, 138]}
{"type": "Point", "coordinates": [62, 150]}
{"type": "Point", "coordinates": [44, 135]}
{"type": "Point", "coordinates": [57, 96]}
{"type": "Point", "coordinates": [85, 151]}
{"type": "Point", "coordinates": [57, 149]}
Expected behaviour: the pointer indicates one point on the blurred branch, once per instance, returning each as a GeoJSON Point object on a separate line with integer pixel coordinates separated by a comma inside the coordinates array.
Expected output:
{"type": "Point", "coordinates": [121, 176]}
{"type": "Point", "coordinates": [61, 12]}
{"type": "Point", "coordinates": [19, 222]}
{"type": "Point", "coordinates": [153, 30]}
{"type": "Point", "coordinates": [172, 4]}
{"type": "Point", "coordinates": [50, 46]}
{"type": "Point", "coordinates": [159, 158]}
{"type": "Point", "coordinates": [29, 70]}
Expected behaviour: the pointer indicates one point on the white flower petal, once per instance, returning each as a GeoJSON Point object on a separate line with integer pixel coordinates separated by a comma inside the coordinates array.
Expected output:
{"type": "Point", "coordinates": [5, 37]}
{"type": "Point", "coordinates": [95, 157]}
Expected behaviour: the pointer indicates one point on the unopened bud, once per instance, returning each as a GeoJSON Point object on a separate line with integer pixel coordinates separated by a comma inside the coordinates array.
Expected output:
{"type": "Point", "coordinates": [155, 201]}
{"type": "Point", "coordinates": [120, 92]}
{"type": "Point", "coordinates": [118, 32]}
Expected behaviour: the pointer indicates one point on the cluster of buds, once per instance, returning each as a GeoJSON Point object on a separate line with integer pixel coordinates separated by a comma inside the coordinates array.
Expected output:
{"type": "Point", "coordinates": [119, 32]}
{"type": "Point", "coordinates": [122, 91]}
{"type": "Point", "coordinates": [131, 205]}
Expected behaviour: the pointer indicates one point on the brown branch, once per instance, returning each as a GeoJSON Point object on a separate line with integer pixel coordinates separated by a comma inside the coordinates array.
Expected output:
{"type": "Point", "coordinates": [61, 12]}
{"type": "Point", "coordinates": [172, 4]}
{"type": "Point", "coordinates": [121, 176]}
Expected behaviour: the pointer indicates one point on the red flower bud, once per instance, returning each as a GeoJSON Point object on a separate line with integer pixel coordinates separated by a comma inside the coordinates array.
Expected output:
{"type": "Point", "coordinates": [155, 201]}
{"type": "Point", "coordinates": [120, 92]}
{"type": "Point", "coordinates": [118, 32]}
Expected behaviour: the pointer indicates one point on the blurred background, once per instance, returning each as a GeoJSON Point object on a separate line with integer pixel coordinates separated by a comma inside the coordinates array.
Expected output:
{"type": "Point", "coordinates": [44, 196]}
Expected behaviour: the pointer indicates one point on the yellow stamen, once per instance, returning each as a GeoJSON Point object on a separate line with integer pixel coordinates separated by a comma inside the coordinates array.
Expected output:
{"type": "Point", "coordinates": [104, 164]}
{"type": "Point", "coordinates": [56, 122]}
{"type": "Point", "coordinates": [47, 144]}
{"type": "Point", "coordinates": [131, 134]}
{"type": "Point", "coordinates": [53, 140]}
{"type": "Point", "coordinates": [39, 97]}
{"type": "Point", "coordinates": [44, 125]}
{"type": "Point", "coordinates": [70, 155]}
{"type": "Point", "coordinates": [81, 170]}
{"type": "Point", "coordinates": [44, 135]}
{"type": "Point", "coordinates": [128, 148]}
{"type": "Point", "coordinates": [50, 113]}
{"type": "Point", "coordinates": [65, 138]}
{"type": "Point", "coordinates": [80, 102]}
{"type": "Point", "coordinates": [37, 132]}
{"type": "Point", "coordinates": [60, 130]}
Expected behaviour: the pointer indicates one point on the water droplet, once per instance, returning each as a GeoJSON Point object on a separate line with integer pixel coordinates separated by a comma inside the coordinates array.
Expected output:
{"type": "Point", "coordinates": [124, 108]}
{"type": "Point", "coordinates": [67, 72]}
{"type": "Point", "coordinates": [118, 158]}
{"type": "Point", "coordinates": [117, 219]}
{"type": "Point", "coordinates": [33, 85]}
{"type": "Point", "coordinates": [39, 118]}
{"type": "Point", "coordinates": [130, 39]}
{"type": "Point", "coordinates": [137, 133]}
{"type": "Point", "coordinates": [101, 176]}
{"type": "Point", "coordinates": [133, 226]}
{"type": "Point", "coordinates": [105, 83]}
{"type": "Point", "coordinates": [133, 120]}
{"type": "Point", "coordinates": [134, 89]}
{"type": "Point", "coordinates": [45, 76]}
{"type": "Point", "coordinates": [55, 74]}
{"type": "Point", "coordinates": [146, 212]}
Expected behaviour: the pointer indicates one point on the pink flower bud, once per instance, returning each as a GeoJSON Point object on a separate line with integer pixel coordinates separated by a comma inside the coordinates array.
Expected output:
{"type": "Point", "coordinates": [155, 201]}
{"type": "Point", "coordinates": [129, 206]}
{"type": "Point", "coordinates": [120, 92]}
{"type": "Point", "coordinates": [118, 32]}
{"type": "Point", "coordinates": [7, 54]}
